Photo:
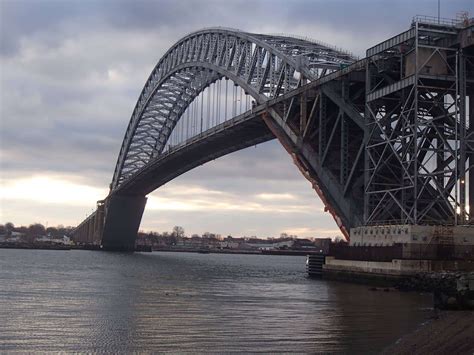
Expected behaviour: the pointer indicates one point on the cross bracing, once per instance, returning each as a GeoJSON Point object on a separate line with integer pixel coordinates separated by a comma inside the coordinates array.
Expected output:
{"type": "Point", "coordinates": [420, 147]}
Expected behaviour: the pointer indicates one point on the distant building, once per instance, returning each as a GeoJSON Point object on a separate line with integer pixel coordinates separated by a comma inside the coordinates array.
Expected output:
{"type": "Point", "coordinates": [67, 240]}
{"type": "Point", "coordinates": [17, 234]}
{"type": "Point", "coordinates": [259, 246]}
{"type": "Point", "coordinates": [286, 244]}
{"type": "Point", "coordinates": [229, 244]}
{"type": "Point", "coordinates": [323, 244]}
{"type": "Point", "coordinates": [303, 244]}
{"type": "Point", "coordinates": [233, 243]}
{"type": "Point", "coordinates": [48, 239]}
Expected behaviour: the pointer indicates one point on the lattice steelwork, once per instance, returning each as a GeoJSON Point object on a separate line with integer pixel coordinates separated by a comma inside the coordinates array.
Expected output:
{"type": "Point", "coordinates": [420, 143]}
{"type": "Point", "coordinates": [263, 66]}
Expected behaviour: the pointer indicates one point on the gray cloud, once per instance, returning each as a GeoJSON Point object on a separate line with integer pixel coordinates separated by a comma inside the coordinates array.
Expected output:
{"type": "Point", "coordinates": [374, 18]}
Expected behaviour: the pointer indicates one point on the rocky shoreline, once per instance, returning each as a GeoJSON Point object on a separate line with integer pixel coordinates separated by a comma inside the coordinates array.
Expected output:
{"type": "Point", "coordinates": [451, 290]}
{"type": "Point", "coordinates": [451, 328]}
{"type": "Point", "coordinates": [447, 332]}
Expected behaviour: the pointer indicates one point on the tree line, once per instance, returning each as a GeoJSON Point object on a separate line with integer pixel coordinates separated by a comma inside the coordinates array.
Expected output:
{"type": "Point", "coordinates": [35, 230]}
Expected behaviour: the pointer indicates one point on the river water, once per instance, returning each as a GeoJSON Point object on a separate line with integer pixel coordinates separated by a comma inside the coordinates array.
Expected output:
{"type": "Point", "coordinates": [90, 301]}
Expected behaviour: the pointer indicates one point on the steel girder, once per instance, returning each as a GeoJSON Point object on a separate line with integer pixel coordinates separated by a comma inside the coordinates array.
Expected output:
{"type": "Point", "coordinates": [262, 65]}
{"type": "Point", "coordinates": [322, 128]}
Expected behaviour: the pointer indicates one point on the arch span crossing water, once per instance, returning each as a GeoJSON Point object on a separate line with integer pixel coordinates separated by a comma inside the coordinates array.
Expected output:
{"type": "Point", "coordinates": [220, 90]}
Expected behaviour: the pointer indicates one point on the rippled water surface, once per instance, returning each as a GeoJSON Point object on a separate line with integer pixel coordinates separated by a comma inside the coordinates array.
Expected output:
{"type": "Point", "coordinates": [117, 302]}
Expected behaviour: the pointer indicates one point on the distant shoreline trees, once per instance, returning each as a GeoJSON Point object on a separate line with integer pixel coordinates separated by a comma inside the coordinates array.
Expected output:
{"type": "Point", "coordinates": [35, 230]}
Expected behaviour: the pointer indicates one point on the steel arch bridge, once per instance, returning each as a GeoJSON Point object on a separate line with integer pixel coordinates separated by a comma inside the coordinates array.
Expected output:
{"type": "Point", "coordinates": [311, 96]}
{"type": "Point", "coordinates": [264, 66]}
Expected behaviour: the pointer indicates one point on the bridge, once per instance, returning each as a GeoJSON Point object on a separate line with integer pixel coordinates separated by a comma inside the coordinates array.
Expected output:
{"type": "Point", "coordinates": [384, 140]}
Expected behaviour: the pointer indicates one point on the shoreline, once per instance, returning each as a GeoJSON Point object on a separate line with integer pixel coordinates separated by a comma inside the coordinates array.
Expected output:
{"type": "Point", "coordinates": [35, 246]}
{"type": "Point", "coordinates": [243, 252]}
{"type": "Point", "coordinates": [142, 249]}
{"type": "Point", "coordinates": [443, 333]}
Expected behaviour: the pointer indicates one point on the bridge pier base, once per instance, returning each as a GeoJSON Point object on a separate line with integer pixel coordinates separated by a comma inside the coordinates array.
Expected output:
{"type": "Point", "coordinates": [122, 221]}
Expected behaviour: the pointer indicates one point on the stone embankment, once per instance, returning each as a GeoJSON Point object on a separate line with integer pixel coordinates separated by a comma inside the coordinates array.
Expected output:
{"type": "Point", "coordinates": [447, 332]}
{"type": "Point", "coordinates": [451, 290]}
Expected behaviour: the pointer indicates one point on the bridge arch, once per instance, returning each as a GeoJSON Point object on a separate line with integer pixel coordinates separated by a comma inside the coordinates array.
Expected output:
{"type": "Point", "coordinates": [264, 66]}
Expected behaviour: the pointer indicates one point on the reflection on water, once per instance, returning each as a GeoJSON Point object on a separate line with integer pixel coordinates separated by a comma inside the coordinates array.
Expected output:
{"type": "Point", "coordinates": [97, 301]}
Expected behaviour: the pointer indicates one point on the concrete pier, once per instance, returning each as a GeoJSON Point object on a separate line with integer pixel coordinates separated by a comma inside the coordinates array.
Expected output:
{"type": "Point", "coordinates": [122, 221]}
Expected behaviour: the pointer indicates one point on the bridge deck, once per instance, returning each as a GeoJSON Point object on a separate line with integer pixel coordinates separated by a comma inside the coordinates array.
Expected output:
{"type": "Point", "coordinates": [237, 133]}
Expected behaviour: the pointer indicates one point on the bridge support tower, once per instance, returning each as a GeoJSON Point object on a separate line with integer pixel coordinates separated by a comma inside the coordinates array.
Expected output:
{"type": "Point", "coordinates": [122, 221]}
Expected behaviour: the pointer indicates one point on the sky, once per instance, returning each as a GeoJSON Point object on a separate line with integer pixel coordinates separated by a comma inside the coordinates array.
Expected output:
{"type": "Point", "coordinates": [71, 72]}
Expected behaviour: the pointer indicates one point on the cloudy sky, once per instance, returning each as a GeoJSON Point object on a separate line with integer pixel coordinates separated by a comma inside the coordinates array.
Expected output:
{"type": "Point", "coordinates": [71, 71]}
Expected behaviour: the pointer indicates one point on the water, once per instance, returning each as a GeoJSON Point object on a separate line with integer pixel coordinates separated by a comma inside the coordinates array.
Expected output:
{"type": "Point", "coordinates": [117, 302]}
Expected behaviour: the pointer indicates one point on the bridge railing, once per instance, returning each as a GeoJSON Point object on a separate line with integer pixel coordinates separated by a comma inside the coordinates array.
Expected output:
{"type": "Point", "coordinates": [439, 20]}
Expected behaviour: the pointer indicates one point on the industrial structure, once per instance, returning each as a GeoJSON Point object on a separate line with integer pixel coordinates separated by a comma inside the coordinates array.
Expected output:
{"type": "Point", "coordinates": [386, 141]}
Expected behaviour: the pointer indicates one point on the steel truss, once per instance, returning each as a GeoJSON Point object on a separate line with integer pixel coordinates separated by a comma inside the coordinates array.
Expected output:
{"type": "Point", "coordinates": [420, 143]}
{"type": "Point", "coordinates": [322, 127]}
